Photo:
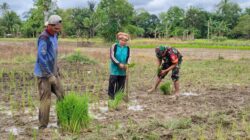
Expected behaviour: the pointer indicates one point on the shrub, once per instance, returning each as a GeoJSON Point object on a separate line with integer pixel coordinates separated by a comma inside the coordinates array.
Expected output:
{"type": "Point", "coordinates": [166, 88]}
{"type": "Point", "coordinates": [73, 113]}
{"type": "Point", "coordinates": [219, 38]}
{"type": "Point", "coordinates": [78, 57]}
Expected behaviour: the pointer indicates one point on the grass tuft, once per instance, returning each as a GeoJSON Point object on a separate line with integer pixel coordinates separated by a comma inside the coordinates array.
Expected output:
{"type": "Point", "coordinates": [113, 104]}
{"type": "Point", "coordinates": [182, 123]}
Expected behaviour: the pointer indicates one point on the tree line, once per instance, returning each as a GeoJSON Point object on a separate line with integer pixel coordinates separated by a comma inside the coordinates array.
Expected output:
{"type": "Point", "coordinates": [111, 16]}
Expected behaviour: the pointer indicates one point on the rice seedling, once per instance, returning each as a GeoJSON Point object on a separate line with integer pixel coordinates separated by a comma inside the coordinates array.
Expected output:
{"type": "Point", "coordinates": [152, 136]}
{"type": "Point", "coordinates": [34, 134]}
{"type": "Point", "coordinates": [73, 113]}
{"type": "Point", "coordinates": [11, 136]}
{"type": "Point", "coordinates": [220, 135]}
{"type": "Point", "coordinates": [98, 128]}
{"type": "Point", "coordinates": [166, 88]}
{"type": "Point", "coordinates": [113, 104]}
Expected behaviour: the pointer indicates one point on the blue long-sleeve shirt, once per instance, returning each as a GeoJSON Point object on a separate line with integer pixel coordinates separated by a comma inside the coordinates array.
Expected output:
{"type": "Point", "coordinates": [46, 62]}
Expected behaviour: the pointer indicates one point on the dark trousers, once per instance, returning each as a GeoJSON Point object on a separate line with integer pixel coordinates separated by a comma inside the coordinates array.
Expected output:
{"type": "Point", "coordinates": [116, 83]}
{"type": "Point", "coordinates": [45, 89]}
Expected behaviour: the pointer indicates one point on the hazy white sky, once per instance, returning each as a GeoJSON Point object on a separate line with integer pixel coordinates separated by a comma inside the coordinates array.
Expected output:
{"type": "Point", "coordinates": [153, 6]}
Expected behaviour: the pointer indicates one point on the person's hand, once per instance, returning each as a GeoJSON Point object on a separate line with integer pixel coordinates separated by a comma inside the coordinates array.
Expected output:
{"type": "Point", "coordinates": [163, 72]}
{"type": "Point", "coordinates": [52, 80]}
{"type": "Point", "coordinates": [122, 66]}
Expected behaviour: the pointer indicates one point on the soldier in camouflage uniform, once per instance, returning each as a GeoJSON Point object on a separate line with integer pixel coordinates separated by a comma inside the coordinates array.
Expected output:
{"type": "Point", "coordinates": [168, 59]}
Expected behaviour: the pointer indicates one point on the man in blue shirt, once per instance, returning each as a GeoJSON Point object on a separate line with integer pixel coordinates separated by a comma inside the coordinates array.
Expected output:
{"type": "Point", "coordinates": [120, 56]}
{"type": "Point", "coordinates": [46, 69]}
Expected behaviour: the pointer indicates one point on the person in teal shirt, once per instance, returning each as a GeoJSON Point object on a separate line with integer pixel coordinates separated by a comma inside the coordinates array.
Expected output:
{"type": "Point", "coordinates": [120, 57]}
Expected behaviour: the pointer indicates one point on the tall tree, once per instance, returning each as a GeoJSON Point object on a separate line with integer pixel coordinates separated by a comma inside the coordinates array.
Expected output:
{"type": "Point", "coordinates": [46, 7]}
{"type": "Point", "coordinates": [37, 16]}
{"type": "Point", "coordinates": [11, 22]}
{"type": "Point", "coordinates": [229, 12]}
{"type": "Point", "coordinates": [243, 27]}
{"type": "Point", "coordinates": [4, 8]}
{"type": "Point", "coordinates": [196, 22]}
{"type": "Point", "coordinates": [247, 11]}
{"type": "Point", "coordinates": [173, 21]}
{"type": "Point", "coordinates": [147, 22]}
{"type": "Point", "coordinates": [113, 16]}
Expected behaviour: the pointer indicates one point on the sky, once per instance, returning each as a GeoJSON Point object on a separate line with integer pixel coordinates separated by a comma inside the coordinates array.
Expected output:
{"type": "Point", "coordinates": [152, 6]}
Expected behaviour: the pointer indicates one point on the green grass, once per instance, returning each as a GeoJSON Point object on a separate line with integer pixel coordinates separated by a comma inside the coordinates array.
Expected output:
{"type": "Point", "coordinates": [114, 104]}
{"type": "Point", "coordinates": [73, 113]}
{"type": "Point", "coordinates": [239, 44]}
{"type": "Point", "coordinates": [182, 123]}
{"type": "Point", "coordinates": [191, 45]}
{"type": "Point", "coordinates": [215, 72]}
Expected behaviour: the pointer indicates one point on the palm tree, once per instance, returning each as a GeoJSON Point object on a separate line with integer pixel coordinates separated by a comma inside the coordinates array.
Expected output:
{"type": "Point", "coordinates": [223, 6]}
{"type": "Point", "coordinates": [4, 8]}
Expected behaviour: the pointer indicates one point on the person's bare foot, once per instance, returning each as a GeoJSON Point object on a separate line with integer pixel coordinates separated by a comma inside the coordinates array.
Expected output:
{"type": "Point", "coordinates": [150, 90]}
{"type": "Point", "coordinates": [175, 96]}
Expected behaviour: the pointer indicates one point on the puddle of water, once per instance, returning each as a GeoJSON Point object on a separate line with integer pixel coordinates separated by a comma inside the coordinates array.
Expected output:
{"type": "Point", "coordinates": [189, 94]}
{"type": "Point", "coordinates": [52, 125]}
{"type": "Point", "coordinates": [14, 130]}
{"type": "Point", "coordinates": [135, 108]}
{"type": "Point", "coordinates": [98, 116]}
{"type": "Point", "coordinates": [104, 109]}
{"type": "Point", "coordinates": [35, 127]}
{"type": "Point", "coordinates": [33, 118]}
{"type": "Point", "coordinates": [8, 113]}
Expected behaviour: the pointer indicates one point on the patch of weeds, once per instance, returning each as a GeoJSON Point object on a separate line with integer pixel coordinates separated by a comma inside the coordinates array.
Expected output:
{"type": "Point", "coordinates": [98, 128]}
{"type": "Point", "coordinates": [159, 70]}
{"type": "Point", "coordinates": [152, 136]}
{"type": "Point", "coordinates": [166, 88]}
{"type": "Point", "coordinates": [73, 113]}
{"type": "Point", "coordinates": [182, 123]}
{"type": "Point", "coordinates": [222, 119]}
{"type": "Point", "coordinates": [11, 136]}
{"type": "Point", "coordinates": [34, 134]}
{"type": "Point", "coordinates": [220, 57]}
{"type": "Point", "coordinates": [113, 104]}
{"type": "Point", "coordinates": [78, 57]}
{"type": "Point", "coordinates": [220, 134]}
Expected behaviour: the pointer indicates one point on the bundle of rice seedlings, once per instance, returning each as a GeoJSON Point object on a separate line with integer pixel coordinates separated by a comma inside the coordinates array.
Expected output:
{"type": "Point", "coordinates": [159, 70]}
{"type": "Point", "coordinates": [131, 65]}
{"type": "Point", "coordinates": [72, 112]}
{"type": "Point", "coordinates": [113, 104]}
{"type": "Point", "coordinates": [166, 88]}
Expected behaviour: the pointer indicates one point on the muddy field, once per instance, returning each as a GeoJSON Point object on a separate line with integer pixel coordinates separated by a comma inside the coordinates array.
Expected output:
{"type": "Point", "coordinates": [214, 101]}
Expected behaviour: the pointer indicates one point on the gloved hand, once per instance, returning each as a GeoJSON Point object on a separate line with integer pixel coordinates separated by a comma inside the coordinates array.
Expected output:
{"type": "Point", "coordinates": [52, 80]}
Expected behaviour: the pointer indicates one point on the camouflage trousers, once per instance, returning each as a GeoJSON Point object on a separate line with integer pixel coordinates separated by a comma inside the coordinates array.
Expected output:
{"type": "Point", "coordinates": [175, 72]}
